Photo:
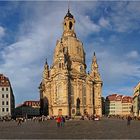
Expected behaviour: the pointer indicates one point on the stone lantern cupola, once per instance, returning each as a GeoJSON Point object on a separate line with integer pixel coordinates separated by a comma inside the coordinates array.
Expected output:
{"type": "Point", "coordinates": [68, 25]}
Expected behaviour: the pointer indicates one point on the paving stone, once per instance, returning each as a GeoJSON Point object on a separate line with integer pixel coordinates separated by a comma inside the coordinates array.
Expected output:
{"type": "Point", "coordinates": [83, 129]}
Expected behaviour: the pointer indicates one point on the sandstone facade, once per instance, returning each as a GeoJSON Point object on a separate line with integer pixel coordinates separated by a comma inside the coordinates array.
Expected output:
{"type": "Point", "coordinates": [66, 88]}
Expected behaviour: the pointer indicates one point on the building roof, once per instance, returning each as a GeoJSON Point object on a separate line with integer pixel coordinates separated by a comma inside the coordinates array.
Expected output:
{"type": "Point", "coordinates": [4, 81]}
{"type": "Point", "coordinates": [117, 97]}
{"type": "Point", "coordinates": [111, 97]}
{"type": "Point", "coordinates": [30, 103]}
{"type": "Point", "coordinates": [127, 99]}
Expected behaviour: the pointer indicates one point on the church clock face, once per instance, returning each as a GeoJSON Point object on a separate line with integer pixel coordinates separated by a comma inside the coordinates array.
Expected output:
{"type": "Point", "coordinates": [60, 77]}
{"type": "Point", "coordinates": [60, 59]}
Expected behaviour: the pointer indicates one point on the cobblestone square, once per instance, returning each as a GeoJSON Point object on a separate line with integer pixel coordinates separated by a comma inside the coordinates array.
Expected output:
{"type": "Point", "coordinates": [83, 129]}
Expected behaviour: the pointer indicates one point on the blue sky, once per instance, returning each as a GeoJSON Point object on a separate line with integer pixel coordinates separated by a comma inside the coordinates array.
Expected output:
{"type": "Point", "coordinates": [29, 31]}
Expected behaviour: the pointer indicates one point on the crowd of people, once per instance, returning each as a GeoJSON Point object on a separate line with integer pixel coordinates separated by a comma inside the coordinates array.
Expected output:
{"type": "Point", "coordinates": [123, 117]}
{"type": "Point", "coordinates": [60, 119]}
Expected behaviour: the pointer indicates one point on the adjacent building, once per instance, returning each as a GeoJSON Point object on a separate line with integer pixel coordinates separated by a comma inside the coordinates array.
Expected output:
{"type": "Point", "coordinates": [103, 106]}
{"type": "Point", "coordinates": [28, 109]}
{"type": "Point", "coordinates": [118, 105]}
{"type": "Point", "coordinates": [66, 88]}
{"type": "Point", "coordinates": [7, 101]}
{"type": "Point", "coordinates": [136, 100]}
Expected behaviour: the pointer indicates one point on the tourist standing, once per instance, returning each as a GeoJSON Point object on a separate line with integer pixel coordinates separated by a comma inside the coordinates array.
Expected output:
{"type": "Point", "coordinates": [62, 121]}
{"type": "Point", "coordinates": [128, 120]}
{"type": "Point", "coordinates": [19, 121]}
{"type": "Point", "coordinates": [58, 121]}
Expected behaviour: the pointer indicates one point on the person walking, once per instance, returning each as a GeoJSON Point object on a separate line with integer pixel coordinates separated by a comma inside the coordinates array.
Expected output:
{"type": "Point", "coordinates": [128, 120]}
{"type": "Point", "coordinates": [62, 121]}
{"type": "Point", "coordinates": [19, 121]}
{"type": "Point", "coordinates": [58, 121]}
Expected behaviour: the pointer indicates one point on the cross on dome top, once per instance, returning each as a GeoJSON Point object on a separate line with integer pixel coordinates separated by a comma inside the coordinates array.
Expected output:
{"type": "Point", "coordinates": [68, 14]}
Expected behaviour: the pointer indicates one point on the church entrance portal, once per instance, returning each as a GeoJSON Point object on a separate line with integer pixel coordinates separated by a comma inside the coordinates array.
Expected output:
{"type": "Point", "coordinates": [78, 107]}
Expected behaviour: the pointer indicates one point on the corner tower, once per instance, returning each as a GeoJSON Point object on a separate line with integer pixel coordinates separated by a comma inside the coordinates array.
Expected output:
{"type": "Point", "coordinates": [97, 87]}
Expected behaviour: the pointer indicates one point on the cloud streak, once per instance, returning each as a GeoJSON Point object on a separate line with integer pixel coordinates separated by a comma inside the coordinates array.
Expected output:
{"type": "Point", "coordinates": [2, 32]}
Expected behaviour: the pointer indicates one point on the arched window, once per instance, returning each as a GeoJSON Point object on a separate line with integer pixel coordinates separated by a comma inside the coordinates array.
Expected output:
{"type": "Point", "coordinates": [78, 107]}
{"type": "Point", "coordinates": [84, 94]}
{"type": "Point", "coordinates": [81, 68]}
{"type": "Point", "coordinates": [72, 95]}
{"type": "Point", "coordinates": [59, 65]}
{"type": "Point", "coordinates": [70, 25]}
{"type": "Point", "coordinates": [78, 103]}
{"type": "Point", "coordinates": [59, 92]}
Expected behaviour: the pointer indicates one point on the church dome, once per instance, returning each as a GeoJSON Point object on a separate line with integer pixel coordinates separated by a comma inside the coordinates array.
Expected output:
{"type": "Point", "coordinates": [70, 44]}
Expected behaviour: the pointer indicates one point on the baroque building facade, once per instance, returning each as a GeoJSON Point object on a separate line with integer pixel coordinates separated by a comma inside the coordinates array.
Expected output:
{"type": "Point", "coordinates": [66, 88]}
{"type": "Point", "coordinates": [7, 100]}
{"type": "Point", "coordinates": [118, 105]}
{"type": "Point", "coordinates": [136, 100]}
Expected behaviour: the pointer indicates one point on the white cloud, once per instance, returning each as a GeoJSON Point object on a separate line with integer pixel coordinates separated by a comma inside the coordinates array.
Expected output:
{"type": "Point", "coordinates": [2, 31]}
{"type": "Point", "coordinates": [23, 60]}
{"type": "Point", "coordinates": [103, 22]}
{"type": "Point", "coordinates": [125, 16]}
{"type": "Point", "coordinates": [116, 69]}
{"type": "Point", "coordinates": [133, 55]}
{"type": "Point", "coordinates": [85, 26]}
{"type": "Point", "coordinates": [36, 38]}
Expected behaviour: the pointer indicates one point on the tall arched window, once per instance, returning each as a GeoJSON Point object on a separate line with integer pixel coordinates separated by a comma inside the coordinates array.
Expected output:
{"type": "Point", "coordinates": [72, 95]}
{"type": "Point", "coordinates": [70, 25]}
{"type": "Point", "coordinates": [59, 65]}
{"type": "Point", "coordinates": [59, 92]}
{"type": "Point", "coordinates": [78, 103]}
{"type": "Point", "coordinates": [78, 107]}
{"type": "Point", "coordinates": [84, 94]}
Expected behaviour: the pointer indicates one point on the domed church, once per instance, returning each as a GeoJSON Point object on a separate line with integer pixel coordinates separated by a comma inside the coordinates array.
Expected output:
{"type": "Point", "coordinates": [66, 88]}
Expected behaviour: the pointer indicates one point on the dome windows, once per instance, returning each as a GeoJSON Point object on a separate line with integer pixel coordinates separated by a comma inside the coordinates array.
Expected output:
{"type": "Point", "coordinates": [70, 25]}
